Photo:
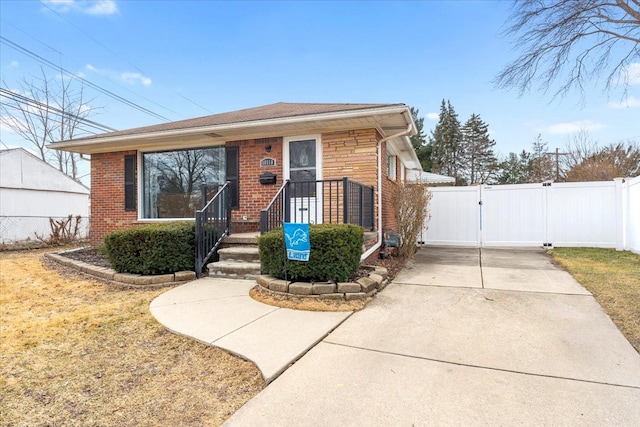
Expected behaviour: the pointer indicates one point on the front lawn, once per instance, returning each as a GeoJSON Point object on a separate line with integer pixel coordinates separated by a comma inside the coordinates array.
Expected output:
{"type": "Point", "coordinates": [75, 351]}
{"type": "Point", "coordinates": [613, 277]}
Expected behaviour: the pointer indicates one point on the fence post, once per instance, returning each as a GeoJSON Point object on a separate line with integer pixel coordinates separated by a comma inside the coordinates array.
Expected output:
{"type": "Point", "coordinates": [227, 206]}
{"type": "Point", "coordinates": [345, 197]}
{"type": "Point", "coordinates": [372, 208]}
{"type": "Point", "coordinates": [620, 214]}
{"type": "Point", "coordinates": [198, 245]}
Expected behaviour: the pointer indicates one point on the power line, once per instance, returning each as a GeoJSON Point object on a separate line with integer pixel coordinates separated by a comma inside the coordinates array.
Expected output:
{"type": "Point", "coordinates": [88, 36]}
{"type": "Point", "coordinates": [195, 103]}
{"type": "Point", "coordinates": [122, 86]}
{"type": "Point", "coordinates": [32, 37]}
{"type": "Point", "coordinates": [21, 98]}
{"type": "Point", "coordinates": [100, 89]}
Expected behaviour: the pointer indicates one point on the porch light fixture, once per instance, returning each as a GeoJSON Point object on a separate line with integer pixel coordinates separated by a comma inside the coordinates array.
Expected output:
{"type": "Point", "coordinates": [267, 148]}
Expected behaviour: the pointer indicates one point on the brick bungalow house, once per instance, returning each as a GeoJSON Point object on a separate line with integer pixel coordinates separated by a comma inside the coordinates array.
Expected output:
{"type": "Point", "coordinates": [157, 173]}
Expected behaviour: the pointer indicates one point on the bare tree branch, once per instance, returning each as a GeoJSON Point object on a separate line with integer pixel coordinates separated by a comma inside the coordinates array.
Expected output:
{"type": "Point", "coordinates": [571, 42]}
{"type": "Point", "coordinates": [46, 110]}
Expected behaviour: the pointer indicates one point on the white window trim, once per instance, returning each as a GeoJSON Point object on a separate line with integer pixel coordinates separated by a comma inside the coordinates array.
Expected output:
{"type": "Point", "coordinates": [285, 153]}
{"type": "Point", "coordinates": [392, 167]}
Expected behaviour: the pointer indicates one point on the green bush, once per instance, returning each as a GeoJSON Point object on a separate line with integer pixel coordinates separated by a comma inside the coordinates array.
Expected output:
{"type": "Point", "coordinates": [152, 248]}
{"type": "Point", "coordinates": [335, 253]}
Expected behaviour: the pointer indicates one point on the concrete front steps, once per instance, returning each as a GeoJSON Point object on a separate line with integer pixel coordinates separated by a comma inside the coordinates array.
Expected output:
{"type": "Point", "coordinates": [238, 258]}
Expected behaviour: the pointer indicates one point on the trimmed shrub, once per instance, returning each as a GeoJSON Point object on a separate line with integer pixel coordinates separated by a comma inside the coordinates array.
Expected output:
{"type": "Point", "coordinates": [152, 248]}
{"type": "Point", "coordinates": [335, 253]}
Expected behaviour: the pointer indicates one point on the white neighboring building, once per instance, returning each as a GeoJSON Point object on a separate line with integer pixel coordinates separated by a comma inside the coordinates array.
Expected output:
{"type": "Point", "coordinates": [31, 192]}
{"type": "Point", "coordinates": [430, 178]}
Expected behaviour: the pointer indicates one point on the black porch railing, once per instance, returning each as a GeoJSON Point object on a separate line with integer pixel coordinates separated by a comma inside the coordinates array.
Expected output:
{"type": "Point", "coordinates": [213, 223]}
{"type": "Point", "coordinates": [328, 201]}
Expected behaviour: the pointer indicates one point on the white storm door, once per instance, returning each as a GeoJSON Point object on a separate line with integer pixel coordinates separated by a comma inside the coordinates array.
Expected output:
{"type": "Point", "coordinates": [302, 166]}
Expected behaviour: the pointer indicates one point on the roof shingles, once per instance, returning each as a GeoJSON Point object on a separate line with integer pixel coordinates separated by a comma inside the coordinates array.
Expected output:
{"type": "Point", "coordinates": [265, 112]}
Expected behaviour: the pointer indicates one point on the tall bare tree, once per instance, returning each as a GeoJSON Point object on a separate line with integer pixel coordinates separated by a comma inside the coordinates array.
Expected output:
{"type": "Point", "coordinates": [585, 160]}
{"type": "Point", "coordinates": [44, 110]}
{"type": "Point", "coordinates": [572, 42]}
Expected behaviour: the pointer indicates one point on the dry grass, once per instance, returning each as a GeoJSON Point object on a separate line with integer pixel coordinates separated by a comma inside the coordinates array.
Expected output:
{"type": "Point", "coordinates": [79, 352]}
{"type": "Point", "coordinates": [308, 304]}
{"type": "Point", "coordinates": [613, 278]}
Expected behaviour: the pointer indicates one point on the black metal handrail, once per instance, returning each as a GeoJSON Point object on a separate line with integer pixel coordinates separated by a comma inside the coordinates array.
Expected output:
{"type": "Point", "coordinates": [275, 214]}
{"type": "Point", "coordinates": [213, 223]}
{"type": "Point", "coordinates": [320, 201]}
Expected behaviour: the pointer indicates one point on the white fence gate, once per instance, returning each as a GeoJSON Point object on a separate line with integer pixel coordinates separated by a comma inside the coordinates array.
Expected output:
{"type": "Point", "coordinates": [593, 214]}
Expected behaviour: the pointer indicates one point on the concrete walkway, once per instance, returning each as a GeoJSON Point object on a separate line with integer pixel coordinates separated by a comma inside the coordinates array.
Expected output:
{"type": "Point", "coordinates": [220, 312]}
{"type": "Point", "coordinates": [464, 337]}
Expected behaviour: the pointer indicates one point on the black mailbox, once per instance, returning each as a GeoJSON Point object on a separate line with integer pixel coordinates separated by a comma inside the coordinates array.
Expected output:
{"type": "Point", "coordinates": [268, 178]}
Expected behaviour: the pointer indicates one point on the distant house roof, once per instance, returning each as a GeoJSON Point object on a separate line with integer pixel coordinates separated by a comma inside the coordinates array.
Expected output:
{"type": "Point", "coordinates": [20, 169]}
{"type": "Point", "coordinates": [279, 119]}
{"type": "Point", "coordinates": [429, 178]}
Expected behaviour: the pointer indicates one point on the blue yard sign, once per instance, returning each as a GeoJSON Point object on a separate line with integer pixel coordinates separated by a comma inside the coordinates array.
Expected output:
{"type": "Point", "coordinates": [296, 241]}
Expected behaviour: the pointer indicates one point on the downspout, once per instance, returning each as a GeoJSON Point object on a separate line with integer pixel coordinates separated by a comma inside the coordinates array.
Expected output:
{"type": "Point", "coordinates": [406, 132]}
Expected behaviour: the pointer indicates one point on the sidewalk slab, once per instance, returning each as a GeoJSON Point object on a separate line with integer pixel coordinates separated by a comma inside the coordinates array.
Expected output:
{"type": "Point", "coordinates": [343, 386]}
{"type": "Point", "coordinates": [522, 258]}
{"type": "Point", "coordinates": [462, 276]}
{"type": "Point", "coordinates": [270, 341]}
{"type": "Point", "coordinates": [447, 255]}
{"type": "Point", "coordinates": [551, 280]}
{"type": "Point", "coordinates": [212, 319]}
{"type": "Point", "coordinates": [535, 333]}
{"type": "Point", "coordinates": [221, 313]}
{"type": "Point", "coordinates": [204, 289]}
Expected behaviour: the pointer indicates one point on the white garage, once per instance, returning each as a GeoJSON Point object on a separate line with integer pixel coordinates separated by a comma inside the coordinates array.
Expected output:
{"type": "Point", "coordinates": [32, 192]}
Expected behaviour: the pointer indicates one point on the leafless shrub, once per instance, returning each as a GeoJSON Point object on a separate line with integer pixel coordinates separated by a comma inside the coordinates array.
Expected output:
{"type": "Point", "coordinates": [411, 210]}
{"type": "Point", "coordinates": [63, 231]}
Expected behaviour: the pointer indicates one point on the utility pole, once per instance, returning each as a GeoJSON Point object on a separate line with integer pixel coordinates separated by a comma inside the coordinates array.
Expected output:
{"type": "Point", "coordinates": [557, 154]}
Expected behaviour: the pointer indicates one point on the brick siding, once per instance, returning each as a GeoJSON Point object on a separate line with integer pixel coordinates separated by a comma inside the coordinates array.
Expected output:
{"type": "Point", "coordinates": [107, 195]}
{"type": "Point", "coordinates": [345, 153]}
{"type": "Point", "coordinates": [254, 196]}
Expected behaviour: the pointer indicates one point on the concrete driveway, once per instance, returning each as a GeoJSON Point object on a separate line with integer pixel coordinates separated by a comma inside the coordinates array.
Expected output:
{"type": "Point", "coordinates": [464, 337]}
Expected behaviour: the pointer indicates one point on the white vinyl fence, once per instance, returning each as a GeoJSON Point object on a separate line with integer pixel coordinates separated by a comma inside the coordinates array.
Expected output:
{"type": "Point", "coordinates": [592, 214]}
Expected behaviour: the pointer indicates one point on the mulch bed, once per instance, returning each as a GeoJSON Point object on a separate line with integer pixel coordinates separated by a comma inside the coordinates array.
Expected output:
{"type": "Point", "coordinates": [88, 255]}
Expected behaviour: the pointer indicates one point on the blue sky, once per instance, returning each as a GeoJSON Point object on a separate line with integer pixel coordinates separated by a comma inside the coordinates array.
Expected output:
{"type": "Point", "coordinates": [185, 59]}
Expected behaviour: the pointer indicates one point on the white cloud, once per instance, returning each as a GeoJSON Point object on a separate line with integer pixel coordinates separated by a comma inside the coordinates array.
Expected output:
{"type": "Point", "coordinates": [102, 7]}
{"type": "Point", "coordinates": [630, 102]}
{"type": "Point", "coordinates": [93, 7]}
{"type": "Point", "coordinates": [433, 116]}
{"type": "Point", "coordinates": [14, 64]}
{"type": "Point", "coordinates": [133, 77]}
{"type": "Point", "coordinates": [126, 76]}
{"type": "Point", "coordinates": [634, 73]}
{"type": "Point", "coordinates": [572, 127]}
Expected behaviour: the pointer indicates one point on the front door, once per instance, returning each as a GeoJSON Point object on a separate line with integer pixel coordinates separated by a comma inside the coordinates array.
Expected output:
{"type": "Point", "coordinates": [302, 159]}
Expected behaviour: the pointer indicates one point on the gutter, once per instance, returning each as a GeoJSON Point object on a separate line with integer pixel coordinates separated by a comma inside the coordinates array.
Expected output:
{"type": "Point", "coordinates": [406, 132]}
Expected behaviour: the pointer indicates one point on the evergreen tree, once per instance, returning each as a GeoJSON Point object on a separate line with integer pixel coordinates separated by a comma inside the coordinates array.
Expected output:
{"type": "Point", "coordinates": [515, 168]}
{"type": "Point", "coordinates": [541, 166]}
{"type": "Point", "coordinates": [447, 155]}
{"type": "Point", "coordinates": [419, 141]}
{"type": "Point", "coordinates": [480, 162]}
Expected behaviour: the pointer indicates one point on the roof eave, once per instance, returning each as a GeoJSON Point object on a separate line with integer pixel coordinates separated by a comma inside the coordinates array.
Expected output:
{"type": "Point", "coordinates": [87, 146]}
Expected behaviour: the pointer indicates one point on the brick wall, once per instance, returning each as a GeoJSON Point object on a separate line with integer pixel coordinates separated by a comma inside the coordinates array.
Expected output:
{"type": "Point", "coordinates": [354, 154]}
{"type": "Point", "coordinates": [345, 153]}
{"type": "Point", "coordinates": [388, 188]}
{"type": "Point", "coordinates": [107, 195]}
{"type": "Point", "coordinates": [254, 196]}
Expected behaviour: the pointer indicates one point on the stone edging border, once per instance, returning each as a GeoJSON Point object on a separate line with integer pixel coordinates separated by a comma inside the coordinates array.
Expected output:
{"type": "Point", "coordinates": [360, 289]}
{"type": "Point", "coordinates": [124, 279]}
